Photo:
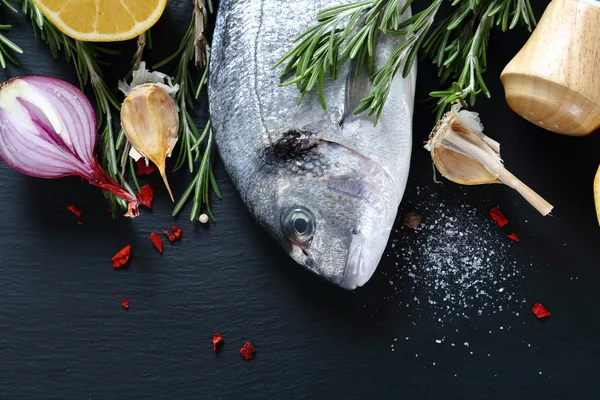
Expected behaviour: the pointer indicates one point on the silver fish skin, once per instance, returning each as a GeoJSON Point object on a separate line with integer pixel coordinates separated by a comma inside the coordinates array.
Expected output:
{"type": "Point", "coordinates": [324, 183]}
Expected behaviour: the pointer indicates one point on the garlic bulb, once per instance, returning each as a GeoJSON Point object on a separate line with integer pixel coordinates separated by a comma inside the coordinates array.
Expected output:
{"type": "Point", "coordinates": [465, 155]}
{"type": "Point", "coordinates": [150, 118]}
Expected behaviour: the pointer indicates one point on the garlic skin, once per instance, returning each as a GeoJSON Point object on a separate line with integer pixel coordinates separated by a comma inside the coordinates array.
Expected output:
{"type": "Point", "coordinates": [454, 161]}
{"type": "Point", "coordinates": [142, 76]}
{"type": "Point", "coordinates": [465, 155]}
{"type": "Point", "coordinates": [150, 120]}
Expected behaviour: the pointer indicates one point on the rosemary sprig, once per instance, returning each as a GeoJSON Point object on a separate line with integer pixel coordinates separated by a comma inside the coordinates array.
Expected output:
{"type": "Point", "coordinates": [342, 32]}
{"type": "Point", "coordinates": [202, 183]}
{"type": "Point", "coordinates": [403, 57]}
{"type": "Point", "coordinates": [460, 51]}
{"type": "Point", "coordinates": [5, 43]}
{"type": "Point", "coordinates": [458, 45]}
{"type": "Point", "coordinates": [86, 58]}
{"type": "Point", "coordinates": [195, 146]}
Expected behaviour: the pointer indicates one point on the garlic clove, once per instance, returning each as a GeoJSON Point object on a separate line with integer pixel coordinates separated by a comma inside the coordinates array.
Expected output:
{"type": "Point", "coordinates": [461, 169]}
{"type": "Point", "coordinates": [150, 120]}
{"type": "Point", "coordinates": [163, 174]}
{"type": "Point", "coordinates": [464, 154]}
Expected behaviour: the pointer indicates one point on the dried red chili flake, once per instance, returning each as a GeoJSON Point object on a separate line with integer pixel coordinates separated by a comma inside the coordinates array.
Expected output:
{"type": "Point", "coordinates": [513, 237]}
{"type": "Point", "coordinates": [79, 223]}
{"type": "Point", "coordinates": [113, 292]}
{"type": "Point", "coordinates": [217, 338]}
{"type": "Point", "coordinates": [157, 241]}
{"type": "Point", "coordinates": [73, 208]}
{"type": "Point", "coordinates": [540, 311]}
{"type": "Point", "coordinates": [121, 257]}
{"type": "Point", "coordinates": [142, 169]}
{"type": "Point", "coordinates": [247, 351]}
{"type": "Point", "coordinates": [497, 216]}
{"type": "Point", "coordinates": [145, 195]}
{"type": "Point", "coordinates": [169, 236]}
{"type": "Point", "coordinates": [125, 304]}
{"type": "Point", "coordinates": [176, 231]}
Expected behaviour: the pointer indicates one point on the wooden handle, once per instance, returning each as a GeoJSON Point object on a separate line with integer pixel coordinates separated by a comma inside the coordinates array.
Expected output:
{"type": "Point", "coordinates": [554, 80]}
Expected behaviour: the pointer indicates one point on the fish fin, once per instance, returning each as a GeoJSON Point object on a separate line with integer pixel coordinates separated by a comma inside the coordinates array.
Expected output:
{"type": "Point", "coordinates": [358, 86]}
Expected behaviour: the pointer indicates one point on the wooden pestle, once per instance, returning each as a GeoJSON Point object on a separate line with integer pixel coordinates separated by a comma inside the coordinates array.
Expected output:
{"type": "Point", "coordinates": [554, 80]}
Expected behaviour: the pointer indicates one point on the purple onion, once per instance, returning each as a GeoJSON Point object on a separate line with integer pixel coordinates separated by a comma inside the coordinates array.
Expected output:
{"type": "Point", "coordinates": [48, 130]}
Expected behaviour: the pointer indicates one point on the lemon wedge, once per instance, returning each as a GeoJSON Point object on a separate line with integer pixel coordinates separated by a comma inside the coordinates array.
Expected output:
{"type": "Point", "coordinates": [597, 193]}
{"type": "Point", "coordinates": [102, 20]}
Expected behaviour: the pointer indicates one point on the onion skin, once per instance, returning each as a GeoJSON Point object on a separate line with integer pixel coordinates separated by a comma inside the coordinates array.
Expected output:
{"type": "Point", "coordinates": [48, 130]}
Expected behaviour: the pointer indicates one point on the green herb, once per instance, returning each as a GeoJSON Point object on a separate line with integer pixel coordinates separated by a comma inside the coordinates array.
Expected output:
{"type": "Point", "coordinates": [86, 57]}
{"type": "Point", "coordinates": [5, 43]}
{"type": "Point", "coordinates": [202, 183]}
{"type": "Point", "coordinates": [458, 46]}
{"type": "Point", "coordinates": [460, 52]}
{"type": "Point", "coordinates": [195, 146]}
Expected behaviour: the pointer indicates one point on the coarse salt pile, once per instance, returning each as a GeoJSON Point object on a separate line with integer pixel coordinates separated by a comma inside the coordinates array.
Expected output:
{"type": "Point", "coordinates": [457, 263]}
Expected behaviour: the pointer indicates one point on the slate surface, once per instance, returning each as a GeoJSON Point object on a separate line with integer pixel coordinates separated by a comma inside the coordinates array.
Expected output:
{"type": "Point", "coordinates": [63, 335]}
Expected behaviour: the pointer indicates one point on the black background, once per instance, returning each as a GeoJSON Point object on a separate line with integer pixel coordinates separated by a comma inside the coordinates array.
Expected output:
{"type": "Point", "coordinates": [63, 335]}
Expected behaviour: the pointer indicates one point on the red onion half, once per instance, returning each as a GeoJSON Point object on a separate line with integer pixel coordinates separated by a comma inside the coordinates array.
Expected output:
{"type": "Point", "coordinates": [48, 130]}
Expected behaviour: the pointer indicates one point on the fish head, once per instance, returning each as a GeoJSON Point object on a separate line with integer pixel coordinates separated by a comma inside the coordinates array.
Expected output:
{"type": "Point", "coordinates": [332, 210]}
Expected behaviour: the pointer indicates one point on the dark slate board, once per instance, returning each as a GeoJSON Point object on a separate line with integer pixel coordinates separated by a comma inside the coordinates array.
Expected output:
{"type": "Point", "coordinates": [63, 335]}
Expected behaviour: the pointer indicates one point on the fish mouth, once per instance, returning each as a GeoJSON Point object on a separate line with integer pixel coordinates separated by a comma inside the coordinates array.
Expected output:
{"type": "Point", "coordinates": [364, 255]}
{"type": "Point", "coordinates": [365, 250]}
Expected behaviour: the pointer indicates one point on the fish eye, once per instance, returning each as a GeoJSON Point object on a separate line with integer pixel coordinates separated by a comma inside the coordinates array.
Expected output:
{"type": "Point", "coordinates": [299, 224]}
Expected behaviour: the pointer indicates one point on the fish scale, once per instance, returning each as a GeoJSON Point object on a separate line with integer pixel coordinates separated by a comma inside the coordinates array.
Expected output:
{"type": "Point", "coordinates": [325, 184]}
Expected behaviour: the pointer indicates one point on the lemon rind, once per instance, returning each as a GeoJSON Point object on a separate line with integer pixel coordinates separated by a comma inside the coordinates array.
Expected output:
{"type": "Point", "coordinates": [137, 30]}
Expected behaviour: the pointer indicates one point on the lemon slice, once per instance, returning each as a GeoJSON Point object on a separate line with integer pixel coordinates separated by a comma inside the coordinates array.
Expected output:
{"type": "Point", "coordinates": [597, 193]}
{"type": "Point", "coordinates": [102, 20]}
